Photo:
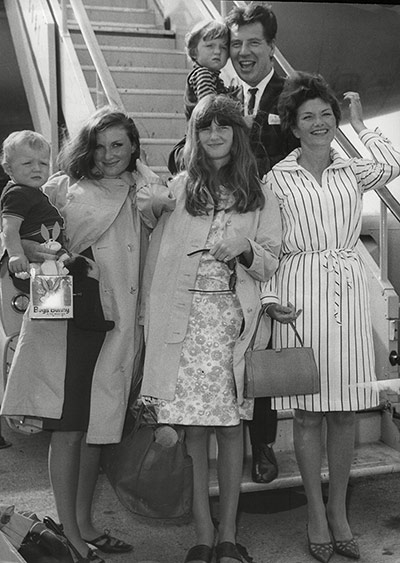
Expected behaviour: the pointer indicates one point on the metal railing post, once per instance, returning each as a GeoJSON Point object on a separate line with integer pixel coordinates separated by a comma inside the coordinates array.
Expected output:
{"type": "Point", "coordinates": [101, 99]}
{"type": "Point", "coordinates": [64, 18]}
{"type": "Point", "coordinates": [383, 243]}
{"type": "Point", "coordinates": [223, 9]}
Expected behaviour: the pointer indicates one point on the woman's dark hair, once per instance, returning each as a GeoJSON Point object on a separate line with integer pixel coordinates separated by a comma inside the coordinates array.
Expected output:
{"type": "Point", "coordinates": [300, 88]}
{"type": "Point", "coordinates": [77, 156]}
{"type": "Point", "coordinates": [239, 175]}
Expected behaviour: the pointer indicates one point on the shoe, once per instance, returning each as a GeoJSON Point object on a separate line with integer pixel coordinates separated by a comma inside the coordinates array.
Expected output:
{"type": "Point", "coordinates": [228, 549]}
{"type": "Point", "coordinates": [58, 529]}
{"type": "Point", "coordinates": [244, 553]}
{"type": "Point", "coordinates": [92, 557]}
{"type": "Point", "coordinates": [200, 553]}
{"type": "Point", "coordinates": [320, 551]}
{"type": "Point", "coordinates": [265, 466]}
{"type": "Point", "coordinates": [109, 544]}
{"type": "Point", "coordinates": [347, 548]}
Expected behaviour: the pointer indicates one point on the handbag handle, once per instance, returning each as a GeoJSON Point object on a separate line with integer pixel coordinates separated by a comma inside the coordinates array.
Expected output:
{"type": "Point", "coordinates": [253, 338]}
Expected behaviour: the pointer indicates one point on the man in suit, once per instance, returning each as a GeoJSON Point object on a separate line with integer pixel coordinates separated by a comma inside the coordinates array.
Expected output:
{"type": "Point", "coordinates": [252, 44]}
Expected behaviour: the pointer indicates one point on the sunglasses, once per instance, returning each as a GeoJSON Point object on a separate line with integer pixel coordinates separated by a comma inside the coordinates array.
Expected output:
{"type": "Point", "coordinates": [232, 278]}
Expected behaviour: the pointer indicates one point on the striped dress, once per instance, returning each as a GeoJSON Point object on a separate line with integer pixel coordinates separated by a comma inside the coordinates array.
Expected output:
{"type": "Point", "coordinates": [322, 273]}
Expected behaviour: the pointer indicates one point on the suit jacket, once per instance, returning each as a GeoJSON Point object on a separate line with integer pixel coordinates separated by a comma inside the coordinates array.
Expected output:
{"type": "Point", "coordinates": [269, 143]}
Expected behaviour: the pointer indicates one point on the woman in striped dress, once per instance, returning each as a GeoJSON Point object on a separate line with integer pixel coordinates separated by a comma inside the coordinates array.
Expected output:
{"type": "Point", "coordinates": [322, 275]}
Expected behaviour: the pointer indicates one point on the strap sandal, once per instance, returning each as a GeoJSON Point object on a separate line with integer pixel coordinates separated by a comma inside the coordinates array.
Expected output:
{"type": "Point", "coordinates": [347, 548]}
{"type": "Point", "coordinates": [91, 557]}
{"type": "Point", "coordinates": [244, 553]}
{"type": "Point", "coordinates": [200, 553]}
{"type": "Point", "coordinates": [108, 544]}
{"type": "Point", "coordinates": [228, 549]}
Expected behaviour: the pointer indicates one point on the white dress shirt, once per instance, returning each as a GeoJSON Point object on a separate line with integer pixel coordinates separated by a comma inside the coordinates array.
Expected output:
{"type": "Point", "coordinates": [261, 87]}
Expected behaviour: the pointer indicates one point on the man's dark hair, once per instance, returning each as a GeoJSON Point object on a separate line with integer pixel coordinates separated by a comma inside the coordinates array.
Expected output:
{"type": "Point", "coordinates": [254, 12]}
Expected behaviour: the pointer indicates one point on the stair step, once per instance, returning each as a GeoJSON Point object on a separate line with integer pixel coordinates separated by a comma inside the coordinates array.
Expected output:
{"type": "Point", "coordinates": [149, 100]}
{"type": "Point", "coordinates": [157, 152]}
{"type": "Point", "coordinates": [120, 3]}
{"type": "Point", "coordinates": [374, 458]}
{"type": "Point", "coordinates": [140, 77]}
{"type": "Point", "coordinates": [162, 171]}
{"type": "Point", "coordinates": [123, 28]}
{"type": "Point", "coordinates": [159, 126]}
{"type": "Point", "coordinates": [137, 56]}
{"type": "Point", "coordinates": [165, 142]}
{"type": "Point", "coordinates": [114, 15]}
{"type": "Point", "coordinates": [134, 37]}
{"type": "Point", "coordinates": [368, 428]}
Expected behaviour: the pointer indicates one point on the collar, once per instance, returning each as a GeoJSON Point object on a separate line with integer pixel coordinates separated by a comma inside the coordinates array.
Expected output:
{"type": "Point", "coordinates": [291, 161]}
{"type": "Point", "coordinates": [261, 87]}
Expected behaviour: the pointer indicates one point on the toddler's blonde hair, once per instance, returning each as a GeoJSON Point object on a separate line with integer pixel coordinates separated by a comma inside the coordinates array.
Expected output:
{"type": "Point", "coordinates": [26, 137]}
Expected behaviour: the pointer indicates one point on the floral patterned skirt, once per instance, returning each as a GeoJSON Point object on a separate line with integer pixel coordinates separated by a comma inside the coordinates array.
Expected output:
{"type": "Point", "coordinates": [205, 392]}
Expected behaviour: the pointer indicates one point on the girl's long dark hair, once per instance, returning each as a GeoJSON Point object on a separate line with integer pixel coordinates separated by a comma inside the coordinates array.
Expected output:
{"type": "Point", "coordinates": [77, 156]}
{"type": "Point", "coordinates": [239, 175]}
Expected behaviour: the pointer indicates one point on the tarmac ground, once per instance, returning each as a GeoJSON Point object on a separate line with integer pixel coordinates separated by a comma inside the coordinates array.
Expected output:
{"type": "Point", "coordinates": [271, 524]}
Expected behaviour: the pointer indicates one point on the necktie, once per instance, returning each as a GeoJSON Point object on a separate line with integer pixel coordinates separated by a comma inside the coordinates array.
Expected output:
{"type": "Point", "coordinates": [252, 100]}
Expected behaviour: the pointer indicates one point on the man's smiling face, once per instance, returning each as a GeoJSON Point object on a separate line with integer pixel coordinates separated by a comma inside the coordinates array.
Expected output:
{"type": "Point", "coordinates": [250, 53]}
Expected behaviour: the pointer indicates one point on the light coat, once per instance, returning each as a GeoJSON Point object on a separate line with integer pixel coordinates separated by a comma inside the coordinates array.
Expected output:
{"type": "Point", "coordinates": [170, 273]}
{"type": "Point", "coordinates": [101, 215]}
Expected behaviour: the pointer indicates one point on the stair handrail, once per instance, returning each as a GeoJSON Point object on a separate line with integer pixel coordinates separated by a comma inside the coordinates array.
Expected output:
{"type": "Point", "coordinates": [210, 11]}
{"type": "Point", "coordinates": [37, 65]}
{"type": "Point", "coordinates": [99, 62]}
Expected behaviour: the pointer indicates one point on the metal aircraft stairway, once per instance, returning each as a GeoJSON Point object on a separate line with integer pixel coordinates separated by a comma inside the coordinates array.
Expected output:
{"type": "Point", "coordinates": [148, 70]}
{"type": "Point", "coordinates": [145, 73]}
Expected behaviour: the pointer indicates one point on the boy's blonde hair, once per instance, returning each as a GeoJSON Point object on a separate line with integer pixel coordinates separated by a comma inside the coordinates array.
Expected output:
{"type": "Point", "coordinates": [205, 30]}
{"type": "Point", "coordinates": [26, 137]}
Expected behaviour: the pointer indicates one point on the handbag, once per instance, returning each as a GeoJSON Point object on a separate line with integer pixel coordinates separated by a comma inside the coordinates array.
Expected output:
{"type": "Point", "coordinates": [279, 372]}
{"type": "Point", "coordinates": [35, 540]}
{"type": "Point", "coordinates": [150, 470]}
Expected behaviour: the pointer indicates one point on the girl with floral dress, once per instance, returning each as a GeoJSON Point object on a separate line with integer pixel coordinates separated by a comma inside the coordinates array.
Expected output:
{"type": "Point", "coordinates": [205, 263]}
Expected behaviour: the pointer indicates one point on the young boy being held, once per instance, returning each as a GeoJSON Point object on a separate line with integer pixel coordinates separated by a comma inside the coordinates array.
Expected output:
{"type": "Point", "coordinates": [207, 44]}
{"type": "Point", "coordinates": [25, 208]}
